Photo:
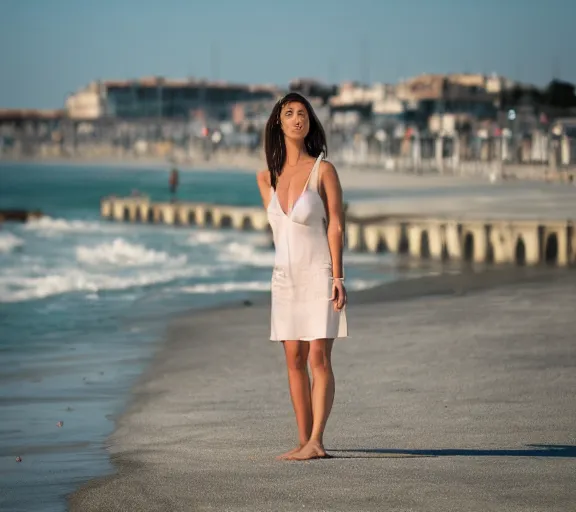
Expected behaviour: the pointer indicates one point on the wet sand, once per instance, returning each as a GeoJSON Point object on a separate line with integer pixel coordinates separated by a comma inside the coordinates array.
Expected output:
{"type": "Point", "coordinates": [453, 393]}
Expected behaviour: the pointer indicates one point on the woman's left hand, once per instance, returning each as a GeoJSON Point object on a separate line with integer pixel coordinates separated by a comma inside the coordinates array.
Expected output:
{"type": "Point", "coordinates": [339, 296]}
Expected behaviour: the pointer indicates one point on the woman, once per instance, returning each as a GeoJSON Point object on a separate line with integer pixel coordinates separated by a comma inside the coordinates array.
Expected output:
{"type": "Point", "coordinates": [303, 197]}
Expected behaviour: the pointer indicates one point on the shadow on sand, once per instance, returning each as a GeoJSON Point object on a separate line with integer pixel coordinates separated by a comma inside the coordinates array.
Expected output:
{"type": "Point", "coordinates": [532, 450]}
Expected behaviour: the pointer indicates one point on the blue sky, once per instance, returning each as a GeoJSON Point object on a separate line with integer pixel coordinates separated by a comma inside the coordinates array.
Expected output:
{"type": "Point", "coordinates": [52, 47]}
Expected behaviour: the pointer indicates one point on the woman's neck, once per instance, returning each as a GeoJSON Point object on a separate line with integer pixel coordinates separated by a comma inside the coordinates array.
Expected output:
{"type": "Point", "coordinates": [294, 150]}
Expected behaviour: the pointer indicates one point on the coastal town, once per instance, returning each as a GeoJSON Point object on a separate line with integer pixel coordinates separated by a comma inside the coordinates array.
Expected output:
{"type": "Point", "coordinates": [462, 123]}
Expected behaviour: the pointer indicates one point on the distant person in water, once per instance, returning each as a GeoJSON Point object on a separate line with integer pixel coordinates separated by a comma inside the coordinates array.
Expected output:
{"type": "Point", "coordinates": [174, 180]}
{"type": "Point", "coordinates": [303, 198]}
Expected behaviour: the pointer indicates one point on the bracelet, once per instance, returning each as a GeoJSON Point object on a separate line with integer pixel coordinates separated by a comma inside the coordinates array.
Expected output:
{"type": "Point", "coordinates": [339, 278]}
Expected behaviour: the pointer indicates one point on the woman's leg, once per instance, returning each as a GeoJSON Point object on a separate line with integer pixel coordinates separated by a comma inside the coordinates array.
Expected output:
{"type": "Point", "coordinates": [299, 381]}
{"type": "Point", "coordinates": [323, 389]}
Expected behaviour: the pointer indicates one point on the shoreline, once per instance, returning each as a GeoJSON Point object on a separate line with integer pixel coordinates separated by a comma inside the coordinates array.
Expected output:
{"type": "Point", "coordinates": [244, 165]}
{"type": "Point", "coordinates": [376, 192]}
{"type": "Point", "coordinates": [139, 455]}
{"type": "Point", "coordinates": [249, 163]}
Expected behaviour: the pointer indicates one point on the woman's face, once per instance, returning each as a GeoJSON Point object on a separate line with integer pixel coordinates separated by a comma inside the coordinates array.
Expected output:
{"type": "Point", "coordinates": [294, 120]}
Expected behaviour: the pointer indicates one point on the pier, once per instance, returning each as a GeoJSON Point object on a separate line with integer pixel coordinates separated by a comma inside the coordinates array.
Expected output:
{"type": "Point", "coordinates": [495, 241]}
{"type": "Point", "coordinates": [13, 215]}
{"type": "Point", "coordinates": [138, 209]}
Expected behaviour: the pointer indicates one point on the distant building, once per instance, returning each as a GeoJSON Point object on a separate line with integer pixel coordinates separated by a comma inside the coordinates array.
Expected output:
{"type": "Point", "coordinates": [564, 132]}
{"type": "Point", "coordinates": [160, 98]}
{"type": "Point", "coordinates": [436, 103]}
{"type": "Point", "coordinates": [252, 113]}
{"type": "Point", "coordinates": [25, 130]}
{"type": "Point", "coordinates": [439, 103]}
{"type": "Point", "coordinates": [29, 122]}
{"type": "Point", "coordinates": [87, 103]}
{"type": "Point", "coordinates": [313, 89]}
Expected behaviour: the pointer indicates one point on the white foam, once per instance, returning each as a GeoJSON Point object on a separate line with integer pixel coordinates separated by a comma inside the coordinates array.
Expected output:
{"type": "Point", "coordinates": [202, 237]}
{"type": "Point", "coordinates": [262, 286]}
{"type": "Point", "coordinates": [262, 240]}
{"type": "Point", "coordinates": [232, 286]}
{"type": "Point", "coordinates": [122, 253]}
{"type": "Point", "coordinates": [361, 284]}
{"type": "Point", "coordinates": [257, 253]}
{"type": "Point", "coordinates": [246, 254]}
{"type": "Point", "coordinates": [254, 255]}
{"type": "Point", "coordinates": [22, 288]}
{"type": "Point", "coordinates": [9, 242]}
{"type": "Point", "coordinates": [48, 226]}
{"type": "Point", "coordinates": [360, 258]}
{"type": "Point", "coordinates": [237, 248]}
{"type": "Point", "coordinates": [211, 237]}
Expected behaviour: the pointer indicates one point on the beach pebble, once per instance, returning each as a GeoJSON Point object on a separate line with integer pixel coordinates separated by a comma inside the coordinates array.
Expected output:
{"type": "Point", "coordinates": [60, 424]}
{"type": "Point", "coordinates": [18, 459]}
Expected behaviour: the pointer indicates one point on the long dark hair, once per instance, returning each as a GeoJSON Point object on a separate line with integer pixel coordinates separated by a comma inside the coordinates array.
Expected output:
{"type": "Point", "coordinates": [274, 145]}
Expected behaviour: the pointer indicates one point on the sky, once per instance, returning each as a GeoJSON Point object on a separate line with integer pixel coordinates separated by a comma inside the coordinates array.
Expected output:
{"type": "Point", "coordinates": [50, 48]}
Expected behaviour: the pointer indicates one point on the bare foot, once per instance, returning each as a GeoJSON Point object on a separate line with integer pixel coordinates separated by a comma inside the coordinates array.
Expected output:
{"type": "Point", "coordinates": [312, 450]}
{"type": "Point", "coordinates": [289, 454]}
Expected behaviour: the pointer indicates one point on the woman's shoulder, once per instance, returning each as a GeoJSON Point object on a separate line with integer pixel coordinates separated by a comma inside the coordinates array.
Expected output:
{"type": "Point", "coordinates": [263, 177]}
{"type": "Point", "coordinates": [326, 168]}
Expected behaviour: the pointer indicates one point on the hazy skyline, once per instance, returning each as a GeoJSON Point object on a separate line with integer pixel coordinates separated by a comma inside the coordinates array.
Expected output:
{"type": "Point", "coordinates": [50, 49]}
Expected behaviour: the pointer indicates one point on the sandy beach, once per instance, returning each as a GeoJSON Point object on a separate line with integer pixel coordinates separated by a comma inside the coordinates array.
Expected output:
{"type": "Point", "coordinates": [453, 393]}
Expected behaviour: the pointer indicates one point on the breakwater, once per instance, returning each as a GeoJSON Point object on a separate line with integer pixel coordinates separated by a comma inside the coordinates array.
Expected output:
{"type": "Point", "coordinates": [497, 241]}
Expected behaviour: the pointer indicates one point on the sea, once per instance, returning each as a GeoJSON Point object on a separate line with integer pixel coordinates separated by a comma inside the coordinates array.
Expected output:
{"type": "Point", "coordinates": [84, 303]}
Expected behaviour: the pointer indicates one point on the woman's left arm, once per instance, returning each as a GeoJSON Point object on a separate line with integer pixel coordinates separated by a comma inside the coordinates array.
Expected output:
{"type": "Point", "coordinates": [331, 192]}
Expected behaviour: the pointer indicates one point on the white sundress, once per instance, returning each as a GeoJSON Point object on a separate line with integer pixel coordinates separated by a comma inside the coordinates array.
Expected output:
{"type": "Point", "coordinates": [302, 275]}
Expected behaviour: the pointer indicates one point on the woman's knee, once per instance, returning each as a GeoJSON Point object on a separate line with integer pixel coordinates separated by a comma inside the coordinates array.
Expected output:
{"type": "Point", "coordinates": [320, 356]}
{"type": "Point", "coordinates": [296, 355]}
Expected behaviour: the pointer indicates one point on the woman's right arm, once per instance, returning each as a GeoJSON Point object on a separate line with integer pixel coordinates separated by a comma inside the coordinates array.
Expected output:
{"type": "Point", "coordinates": [263, 179]}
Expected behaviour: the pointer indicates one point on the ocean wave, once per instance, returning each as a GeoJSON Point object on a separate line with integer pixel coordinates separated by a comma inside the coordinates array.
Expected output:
{"type": "Point", "coordinates": [246, 254]}
{"type": "Point", "coordinates": [120, 252]}
{"type": "Point", "coordinates": [262, 286]}
{"type": "Point", "coordinates": [202, 237]}
{"type": "Point", "coordinates": [24, 288]}
{"type": "Point", "coordinates": [9, 242]}
{"type": "Point", "coordinates": [355, 285]}
{"type": "Point", "coordinates": [236, 248]}
{"type": "Point", "coordinates": [211, 237]}
{"type": "Point", "coordinates": [48, 226]}
{"type": "Point", "coordinates": [359, 258]}
{"type": "Point", "coordinates": [261, 255]}
{"type": "Point", "coordinates": [231, 286]}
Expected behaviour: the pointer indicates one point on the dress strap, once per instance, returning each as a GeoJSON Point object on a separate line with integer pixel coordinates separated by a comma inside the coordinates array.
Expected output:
{"type": "Point", "coordinates": [313, 177]}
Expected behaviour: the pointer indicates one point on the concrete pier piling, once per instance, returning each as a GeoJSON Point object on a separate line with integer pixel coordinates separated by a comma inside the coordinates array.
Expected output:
{"type": "Point", "coordinates": [14, 215]}
{"type": "Point", "coordinates": [199, 214]}
{"type": "Point", "coordinates": [495, 241]}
